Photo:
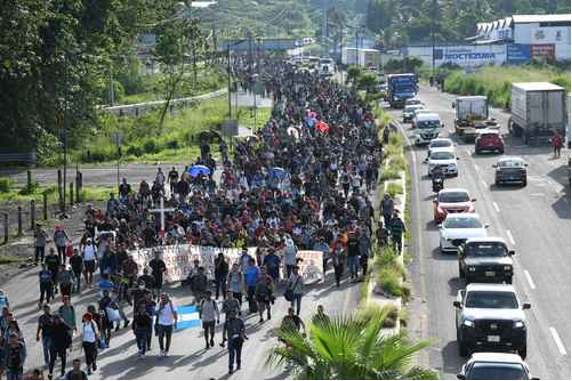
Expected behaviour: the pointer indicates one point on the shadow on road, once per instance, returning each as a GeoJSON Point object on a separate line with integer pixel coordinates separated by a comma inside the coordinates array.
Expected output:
{"type": "Point", "coordinates": [451, 361]}
{"type": "Point", "coordinates": [438, 255]}
{"type": "Point", "coordinates": [455, 284]}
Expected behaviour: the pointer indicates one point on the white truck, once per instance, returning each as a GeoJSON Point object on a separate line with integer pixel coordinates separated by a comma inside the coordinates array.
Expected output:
{"type": "Point", "coordinates": [365, 57]}
{"type": "Point", "coordinates": [426, 126]}
{"type": "Point", "coordinates": [327, 67]}
{"type": "Point", "coordinates": [538, 109]}
{"type": "Point", "coordinates": [472, 114]}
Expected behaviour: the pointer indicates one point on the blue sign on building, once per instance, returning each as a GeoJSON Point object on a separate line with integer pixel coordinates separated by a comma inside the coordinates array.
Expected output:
{"type": "Point", "coordinates": [517, 53]}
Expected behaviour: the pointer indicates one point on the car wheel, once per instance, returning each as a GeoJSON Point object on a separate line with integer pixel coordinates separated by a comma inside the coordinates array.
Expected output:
{"type": "Point", "coordinates": [477, 151]}
{"type": "Point", "coordinates": [461, 272]}
{"type": "Point", "coordinates": [524, 182]}
{"type": "Point", "coordinates": [463, 352]}
{"type": "Point", "coordinates": [501, 150]}
{"type": "Point", "coordinates": [522, 352]}
{"type": "Point", "coordinates": [441, 247]}
{"type": "Point", "coordinates": [497, 183]}
{"type": "Point", "coordinates": [508, 280]}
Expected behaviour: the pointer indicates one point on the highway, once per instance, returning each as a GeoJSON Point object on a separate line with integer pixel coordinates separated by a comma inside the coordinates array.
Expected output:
{"type": "Point", "coordinates": [535, 221]}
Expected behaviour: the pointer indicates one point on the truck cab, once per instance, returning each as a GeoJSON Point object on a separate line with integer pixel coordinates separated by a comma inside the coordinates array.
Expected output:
{"type": "Point", "coordinates": [401, 87]}
{"type": "Point", "coordinates": [472, 115]}
{"type": "Point", "coordinates": [426, 126]}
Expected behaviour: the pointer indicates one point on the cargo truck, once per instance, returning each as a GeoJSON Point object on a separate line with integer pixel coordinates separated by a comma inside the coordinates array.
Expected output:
{"type": "Point", "coordinates": [472, 115]}
{"type": "Point", "coordinates": [365, 57]}
{"type": "Point", "coordinates": [401, 87]}
{"type": "Point", "coordinates": [538, 109]}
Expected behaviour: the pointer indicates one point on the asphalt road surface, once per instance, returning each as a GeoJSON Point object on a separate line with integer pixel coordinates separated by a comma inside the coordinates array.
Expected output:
{"type": "Point", "coordinates": [535, 221]}
{"type": "Point", "coordinates": [188, 358]}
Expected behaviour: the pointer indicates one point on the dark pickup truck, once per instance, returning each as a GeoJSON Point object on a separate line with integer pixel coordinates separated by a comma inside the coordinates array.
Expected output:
{"type": "Point", "coordinates": [486, 259]}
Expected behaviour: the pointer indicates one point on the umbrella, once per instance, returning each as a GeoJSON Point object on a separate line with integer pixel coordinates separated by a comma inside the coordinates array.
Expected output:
{"type": "Point", "coordinates": [196, 170]}
{"type": "Point", "coordinates": [323, 127]}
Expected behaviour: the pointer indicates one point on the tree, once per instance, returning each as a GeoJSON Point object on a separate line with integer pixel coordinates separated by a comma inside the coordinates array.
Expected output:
{"type": "Point", "coordinates": [354, 72]}
{"type": "Point", "coordinates": [178, 41]}
{"type": "Point", "coordinates": [350, 347]}
{"type": "Point", "coordinates": [368, 82]}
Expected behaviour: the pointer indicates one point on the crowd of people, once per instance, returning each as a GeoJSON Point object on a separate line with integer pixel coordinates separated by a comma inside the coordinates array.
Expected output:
{"type": "Point", "coordinates": [302, 182]}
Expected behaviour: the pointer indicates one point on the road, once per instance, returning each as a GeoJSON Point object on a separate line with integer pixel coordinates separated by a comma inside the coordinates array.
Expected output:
{"type": "Point", "coordinates": [188, 359]}
{"type": "Point", "coordinates": [535, 220]}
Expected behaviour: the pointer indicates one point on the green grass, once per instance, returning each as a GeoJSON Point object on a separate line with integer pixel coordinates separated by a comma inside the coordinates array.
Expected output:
{"type": "Point", "coordinates": [389, 280]}
{"type": "Point", "coordinates": [496, 82]}
{"type": "Point", "coordinates": [393, 189]}
{"type": "Point", "coordinates": [246, 117]}
{"type": "Point", "coordinates": [7, 259]}
{"type": "Point", "coordinates": [36, 192]}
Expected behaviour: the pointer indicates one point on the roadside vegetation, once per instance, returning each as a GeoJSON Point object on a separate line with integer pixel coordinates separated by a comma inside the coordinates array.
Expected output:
{"type": "Point", "coordinates": [351, 347]}
{"type": "Point", "coordinates": [496, 82]}
{"type": "Point", "coordinates": [11, 192]}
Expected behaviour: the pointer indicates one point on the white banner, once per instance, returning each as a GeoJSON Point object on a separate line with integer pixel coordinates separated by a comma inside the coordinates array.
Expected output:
{"type": "Point", "coordinates": [179, 258]}
{"type": "Point", "coordinates": [311, 267]}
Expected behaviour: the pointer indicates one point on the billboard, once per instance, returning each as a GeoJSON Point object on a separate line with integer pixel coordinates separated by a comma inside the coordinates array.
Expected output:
{"type": "Point", "coordinates": [547, 51]}
{"type": "Point", "coordinates": [550, 35]}
{"type": "Point", "coordinates": [517, 53]}
{"type": "Point", "coordinates": [466, 56]}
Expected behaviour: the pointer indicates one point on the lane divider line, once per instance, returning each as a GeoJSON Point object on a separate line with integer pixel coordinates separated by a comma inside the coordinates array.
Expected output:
{"type": "Point", "coordinates": [468, 152]}
{"type": "Point", "coordinates": [529, 279]}
{"type": "Point", "coordinates": [496, 206]}
{"type": "Point", "coordinates": [558, 341]}
{"type": "Point", "coordinates": [510, 237]}
{"type": "Point", "coordinates": [477, 167]}
{"type": "Point", "coordinates": [484, 183]}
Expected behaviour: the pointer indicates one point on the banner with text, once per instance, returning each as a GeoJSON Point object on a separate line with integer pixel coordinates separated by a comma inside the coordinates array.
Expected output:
{"type": "Point", "coordinates": [311, 265]}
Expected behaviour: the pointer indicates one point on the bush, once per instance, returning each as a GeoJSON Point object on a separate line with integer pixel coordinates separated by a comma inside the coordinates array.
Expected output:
{"type": "Point", "coordinates": [150, 146]}
{"type": "Point", "coordinates": [5, 184]}
{"type": "Point", "coordinates": [389, 174]}
{"type": "Point", "coordinates": [394, 189]}
{"type": "Point", "coordinates": [389, 280]}
{"type": "Point", "coordinates": [33, 188]}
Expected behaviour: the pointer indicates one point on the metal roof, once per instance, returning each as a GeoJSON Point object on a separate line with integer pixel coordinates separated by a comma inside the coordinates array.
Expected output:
{"type": "Point", "coordinates": [520, 19]}
{"type": "Point", "coordinates": [496, 357]}
{"type": "Point", "coordinates": [490, 286]}
{"type": "Point", "coordinates": [536, 86]}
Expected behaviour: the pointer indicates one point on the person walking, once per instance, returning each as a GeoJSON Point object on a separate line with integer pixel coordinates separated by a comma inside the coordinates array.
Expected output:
{"type": "Point", "coordinates": [320, 318]}
{"type": "Point", "coordinates": [61, 240]}
{"type": "Point", "coordinates": [352, 248]}
{"type": "Point", "coordinates": [67, 313]}
{"type": "Point", "coordinates": [557, 143]}
{"type": "Point", "coordinates": [166, 321]}
{"type": "Point", "coordinates": [40, 241]}
{"type": "Point", "coordinates": [250, 278]}
{"type": "Point", "coordinates": [46, 285]}
{"type": "Point", "coordinates": [76, 263]}
{"type": "Point", "coordinates": [295, 287]}
{"type": "Point", "coordinates": [290, 256]}
{"type": "Point", "coordinates": [209, 315]}
{"type": "Point", "coordinates": [89, 256]}
{"type": "Point", "coordinates": [230, 303]}
{"type": "Point", "coordinates": [263, 292]}
{"type": "Point", "coordinates": [199, 283]}
{"type": "Point", "coordinates": [53, 262]}
{"type": "Point", "coordinates": [292, 323]}
{"type": "Point", "coordinates": [14, 357]}
{"type": "Point", "coordinates": [64, 279]}
{"type": "Point", "coordinates": [158, 269]}
{"type": "Point", "coordinates": [234, 331]}
{"type": "Point", "coordinates": [338, 260]}
{"type": "Point", "coordinates": [387, 206]}
{"type": "Point", "coordinates": [236, 283]}
{"type": "Point", "coordinates": [150, 307]}
{"type": "Point", "coordinates": [272, 263]}
{"type": "Point", "coordinates": [142, 321]}
{"type": "Point", "coordinates": [221, 273]}
{"type": "Point", "coordinates": [397, 228]}
{"type": "Point", "coordinates": [44, 330]}
{"type": "Point", "coordinates": [60, 342]}
{"type": "Point", "coordinates": [90, 338]}
{"type": "Point", "coordinates": [76, 373]}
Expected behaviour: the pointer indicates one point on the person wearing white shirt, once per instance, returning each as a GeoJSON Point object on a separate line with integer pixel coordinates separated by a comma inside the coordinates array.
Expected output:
{"type": "Point", "coordinates": [89, 261]}
{"type": "Point", "coordinates": [166, 321]}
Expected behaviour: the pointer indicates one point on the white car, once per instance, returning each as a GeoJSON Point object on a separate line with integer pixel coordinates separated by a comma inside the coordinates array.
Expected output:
{"type": "Point", "coordinates": [445, 158]}
{"type": "Point", "coordinates": [458, 227]}
{"type": "Point", "coordinates": [440, 143]}
{"type": "Point", "coordinates": [413, 101]}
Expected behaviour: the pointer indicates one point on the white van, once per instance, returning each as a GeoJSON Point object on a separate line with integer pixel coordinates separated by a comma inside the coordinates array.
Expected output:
{"type": "Point", "coordinates": [426, 126]}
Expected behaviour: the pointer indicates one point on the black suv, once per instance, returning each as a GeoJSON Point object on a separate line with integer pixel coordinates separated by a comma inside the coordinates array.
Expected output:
{"type": "Point", "coordinates": [485, 260]}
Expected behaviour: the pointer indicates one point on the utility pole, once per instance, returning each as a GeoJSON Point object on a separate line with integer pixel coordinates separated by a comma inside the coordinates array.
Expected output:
{"type": "Point", "coordinates": [111, 89]}
{"type": "Point", "coordinates": [325, 28]}
{"type": "Point", "coordinates": [229, 80]}
{"type": "Point", "coordinates": [433, 18]}
{"type": "Point", "coordinates": [357, 45]}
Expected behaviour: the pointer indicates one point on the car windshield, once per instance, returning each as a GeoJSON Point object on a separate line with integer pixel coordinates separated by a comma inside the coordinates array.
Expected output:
{"type": "Point", "coordinates": [462, 223]}
{"type": "Point", "coordinates": [452, 197]}
{"type": "Point", "coordinates": [491, 299]}
{"type": "Point", "coordinates": [511, 163]}
{"type": "Point", "coordinates": [497, 371]}
{"type": "Point", "coordinates": [412, 108]}
{"type": "Point", "coordinates": [440, 144]}
{"type": "Point", "coordinates": [428, 124]}
{"type": "Point", "coordinates": [488, 136]}
{"type": "Point", "coordinates": [442, 155]}
{"type": "Point", "coordinates": [486, 249]}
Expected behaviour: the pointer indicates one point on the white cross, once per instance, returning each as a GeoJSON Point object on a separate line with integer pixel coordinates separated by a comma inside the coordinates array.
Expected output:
{"type": "Point", "coordinates": [162, 210]}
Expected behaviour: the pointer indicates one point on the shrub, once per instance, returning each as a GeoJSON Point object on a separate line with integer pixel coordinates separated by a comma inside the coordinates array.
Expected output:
{"type": "Point", "coordinates": [5, 184]}
{"type": "Point", "coordinates": [150, 146]}
{"type": "Point", "coordinates": [389, 174]}
{"type": "Point", "coordinates": [394, 189]}
{"type": "Point", "coordinates": [389, 280]}
{"type": "Point", "coordinates": [31, 189]}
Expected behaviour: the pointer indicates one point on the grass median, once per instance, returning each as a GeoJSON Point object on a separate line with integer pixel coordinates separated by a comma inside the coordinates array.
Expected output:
{"type": "Point", "coordinates": [10, 192]}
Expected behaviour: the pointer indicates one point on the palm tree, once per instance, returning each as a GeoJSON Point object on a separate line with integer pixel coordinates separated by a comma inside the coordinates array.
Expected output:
{"type": "Point", "coordinates": [349, 347]}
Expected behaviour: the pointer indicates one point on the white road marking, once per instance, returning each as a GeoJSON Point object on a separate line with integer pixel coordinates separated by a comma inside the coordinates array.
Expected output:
{"type": "Point", "coordinates": [537, 194]}
{"type": "Point", "coordinates": [529, 279]}
{"type": "Point", "coordinates": [468, 152]}
{"type": "Point", "coordinates": [496, 206]}
{"type": "Point", "coordinates": [484, 183]}
{"type": "Point", "coordinates": [477, 167]}
{"type": "Point", "coordinates": [510, 237]}
{"type": "Point", "coordinates": [557, 340]}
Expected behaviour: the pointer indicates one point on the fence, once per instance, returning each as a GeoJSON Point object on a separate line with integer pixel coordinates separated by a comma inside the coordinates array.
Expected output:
{"type": "Point", "coordinates": [18, 218]}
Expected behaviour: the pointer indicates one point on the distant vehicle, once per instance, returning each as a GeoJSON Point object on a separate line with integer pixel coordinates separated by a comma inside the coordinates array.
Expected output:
{"type": "Point", "coordinates": [400, 88]}
{"type": "Point", "coordinates": [537, 110]}
{"type": "Point", "coordinates": [444, 157]}
{"type": "Point", "coordinates": [486, 260]}
{"type": "Point", "coordinates": [510, 170]}
{"type": "Point", "coordinates": [495, 366]}
{"type": "Point", "coordinates": [440, 143]}
{"type": "Point", "coordinates": [413, 101]}
{"type": "Point", "coordinates": [452, 200]}
{"type": "Point", "coordinates": [472, 115]}
{"type": "Point", "coordinates": [426, 127]}
{"type": "Point", "coordinates": [409, 112]}
{"type": "Point", "coordinates": [459, 227]}
{"type": "Point", "coordinates": [490, 317]}
{"type": "Point", "coordinates": [383, 90]}
{"type": "Point", "coordinates": [489, 140]}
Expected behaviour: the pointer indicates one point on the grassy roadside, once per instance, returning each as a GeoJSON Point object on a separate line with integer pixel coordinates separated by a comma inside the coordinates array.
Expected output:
{"type": "Point", "coordinates": [9, 192]}
{"type": "Point", "coordinates": [495, 82]}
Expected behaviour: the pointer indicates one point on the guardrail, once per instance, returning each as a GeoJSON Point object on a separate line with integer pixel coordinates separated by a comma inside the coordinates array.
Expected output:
{"type": "Point", "coordinates": [137, 109]}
